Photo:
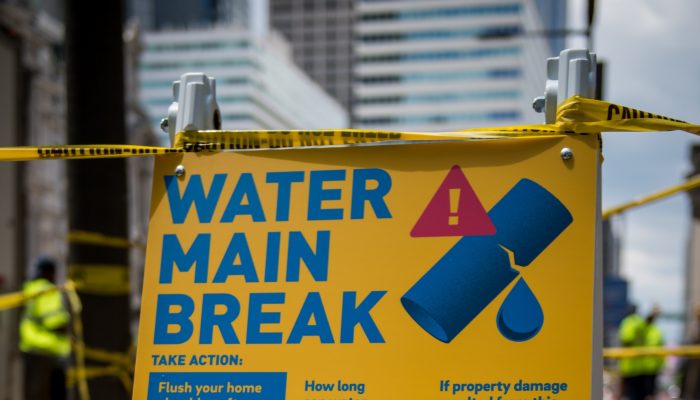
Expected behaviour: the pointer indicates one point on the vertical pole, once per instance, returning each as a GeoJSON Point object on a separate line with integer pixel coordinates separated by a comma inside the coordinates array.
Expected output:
{"type": "Point", "coordinates": [97, 192]}
{"type": "Point", "coordinates": [574, 73]}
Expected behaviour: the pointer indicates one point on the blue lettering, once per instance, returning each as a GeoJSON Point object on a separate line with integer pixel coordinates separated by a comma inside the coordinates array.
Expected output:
{"type": "Point", "coordinates": [317, 195]}
{"type": "Point", "coordinates": [165, 318]}
{"type": "Point", "coordinates": [284, 182]}
{"type": "Point", "coordinates": [172, 253]}
{"type": "Point", "coordinates": [194, 193]}
{"type": "Point", "coordinates": [237, 250]}
{"type": "Point", "coordinates": [316, 263]}
{"type": "Point", "coordinates": [272, 262]}
{"type": "Point", "coordinates": [257, 317]}
{"type": "Point", "coordinates": [245, 190]}
{"type": "Point", "coordinates": [375, 197]}
{"type": "Point", "coordinates": [359, 315]}
{"type": "Point", "coordinates": [312, 308]}
{"type": "Point", "coordinates": [224, 321]}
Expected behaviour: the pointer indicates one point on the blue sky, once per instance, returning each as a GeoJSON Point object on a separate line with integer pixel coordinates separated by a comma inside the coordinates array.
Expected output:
{"type": "Point", "coordinates": [653, 63]}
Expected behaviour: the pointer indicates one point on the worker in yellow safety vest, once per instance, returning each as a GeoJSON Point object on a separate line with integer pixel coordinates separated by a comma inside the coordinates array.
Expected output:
{"type": "Point", "coordinates": [639, 373]}
{"type": "Point", "coordinates": [653, 337]}
{"type": "Point", "coordinates": [632, 371]}
{"type": "Point", "coordinates": [43, 335]}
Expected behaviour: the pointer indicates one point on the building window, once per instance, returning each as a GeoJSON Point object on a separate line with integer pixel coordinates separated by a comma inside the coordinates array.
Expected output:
{"type": "Point", "coordinates": [496, 73]}
{"type": "Point", "coordinates": [480, 10]}
{"type": "Point", "coordinates": [442, 97]}
{"type": "Point", "coordinates": [439, 119]}
{"type": "Point", "coordinates": [483, 33]}
{"type": "Point", "coordinates": [441, 55]}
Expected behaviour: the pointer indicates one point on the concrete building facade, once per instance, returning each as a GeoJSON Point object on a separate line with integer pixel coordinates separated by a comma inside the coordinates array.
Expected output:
{"type": "Point", "coordinates": [321, 33]}
{"type": "Point", "coordinates": [32, 203]}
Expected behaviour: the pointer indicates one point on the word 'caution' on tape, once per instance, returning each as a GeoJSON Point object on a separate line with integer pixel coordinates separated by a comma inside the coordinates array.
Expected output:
{"type": "Point", "coordinates": [575, 116]}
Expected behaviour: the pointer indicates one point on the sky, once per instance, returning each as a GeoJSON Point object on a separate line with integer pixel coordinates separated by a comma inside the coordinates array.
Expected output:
{"type": "Point", "coordinates": [652, 56]}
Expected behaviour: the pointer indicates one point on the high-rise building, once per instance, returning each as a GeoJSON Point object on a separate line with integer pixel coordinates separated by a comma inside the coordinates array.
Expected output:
{"type": "Point", "coordinates": [422, 64]}
{"type": "Point", "coordinates": [431, 66]}
{"type": "Point", "coordinates": [321, 35]}
{"type": "Point", "coordinates": [553, 16]}
{"type": "Point", "coordinates": [408, 64]}
{"type": "Point", "coordinates": [258, 85]}
{"type": "Point", "coordinates": [155, 15]}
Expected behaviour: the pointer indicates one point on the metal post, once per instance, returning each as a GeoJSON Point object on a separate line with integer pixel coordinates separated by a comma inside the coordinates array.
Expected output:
{"type": "Point", "coordinates": [574, 73]}
{"type": "Point", "coordinates": [97, 194]}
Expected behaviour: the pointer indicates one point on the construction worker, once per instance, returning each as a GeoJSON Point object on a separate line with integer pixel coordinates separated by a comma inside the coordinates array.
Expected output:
{"type": "Point", "coordinates": [653, 337]}
{"type": "Point", "coordinates": [632, 369]}
{"type": "Point", "coordinates": [43, 335]}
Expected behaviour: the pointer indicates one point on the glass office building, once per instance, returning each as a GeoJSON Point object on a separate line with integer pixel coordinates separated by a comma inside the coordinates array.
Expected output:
{"type": "Point", "coordinates": [427, 65]}
{"type": "Point", "coordinates": [257, 84]}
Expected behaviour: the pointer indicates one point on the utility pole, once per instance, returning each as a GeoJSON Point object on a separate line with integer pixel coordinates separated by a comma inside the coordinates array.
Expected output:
{"type": "Point", "coordinates": [97, 190]}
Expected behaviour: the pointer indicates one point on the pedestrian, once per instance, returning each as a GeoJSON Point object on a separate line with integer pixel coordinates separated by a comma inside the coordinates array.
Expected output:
{"type": "Point", "coordinates": [43, 335]}
{"type": "Point", "coordinates": [653, 337]}
{"type": "Point", "coordinates": [632, 334]}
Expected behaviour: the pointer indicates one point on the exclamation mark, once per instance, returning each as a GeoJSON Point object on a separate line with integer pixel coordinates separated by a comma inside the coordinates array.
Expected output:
{"type": "Point", "coordinates": [454, 205]}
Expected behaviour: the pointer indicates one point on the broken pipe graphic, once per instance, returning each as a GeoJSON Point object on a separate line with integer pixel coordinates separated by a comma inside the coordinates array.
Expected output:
{"type": "Point", "coordinates": [477, 268]}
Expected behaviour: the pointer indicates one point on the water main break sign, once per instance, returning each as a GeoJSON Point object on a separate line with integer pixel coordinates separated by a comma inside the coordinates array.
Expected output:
{"type": "Point", "coordinates": [426, 271]}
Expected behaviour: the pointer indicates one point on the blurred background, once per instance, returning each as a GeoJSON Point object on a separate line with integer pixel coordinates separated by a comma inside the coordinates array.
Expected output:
{"type": "Point", "coordinates": [81, 73]}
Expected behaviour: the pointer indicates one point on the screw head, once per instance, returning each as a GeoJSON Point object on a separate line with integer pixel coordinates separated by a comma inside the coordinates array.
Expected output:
{"type": "Point", "coordinates": [164, 125]}
{"type": "Point", "coordinates": [180, 170]}
{"type": "Point", "coordinates": [566, 153]}
{"type": "Point", "coordinates": [538, 104]}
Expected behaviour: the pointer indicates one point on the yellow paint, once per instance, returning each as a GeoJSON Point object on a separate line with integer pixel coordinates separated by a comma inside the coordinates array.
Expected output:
{"type": "Point", "coordinates": [372, 254]}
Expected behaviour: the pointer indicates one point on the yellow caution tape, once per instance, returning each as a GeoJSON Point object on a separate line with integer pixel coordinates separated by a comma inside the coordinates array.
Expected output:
{"type": "Point", "coordinates": [105, 279]}
{"type": "Point", "coordinates": [120, 365]}
{"type": "Point", "coordinates": [12, 300]}
{"type": "Point", "coordinates": [579, 114]}
{"type": "Point", "coordinates": [78, 342]}
{"type": "Point", "coordinates": [76, 374]}
{"type": "Point", "coordinates": [195, 141]}
{"type": "Point", "coordinates": [27, 153]}
{"type": "Point", "coordinates": [124, 361]}
{"type": "Point", "coordinates": [575, 116]}
{"type": "Point", "coordinates": [690, 184]}
{"type": "Point", "coordinates": [99, 239]}
{"type": "Point", "coordinates": [628, 352]}
{"type": "Point", "coordinates": [17, 299]}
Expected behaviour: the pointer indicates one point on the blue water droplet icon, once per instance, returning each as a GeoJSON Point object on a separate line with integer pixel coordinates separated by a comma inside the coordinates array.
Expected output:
{"type": "Point", "coordinates": [520, 317]}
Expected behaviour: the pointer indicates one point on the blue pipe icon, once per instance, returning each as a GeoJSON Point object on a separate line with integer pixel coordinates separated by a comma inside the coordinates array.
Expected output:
{"type": "Point", "coordinates": [477, 268]}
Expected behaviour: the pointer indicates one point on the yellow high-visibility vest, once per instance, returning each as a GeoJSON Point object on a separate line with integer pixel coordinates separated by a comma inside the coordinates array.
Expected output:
{"type": "Point", "coordinates": [44, 315]}
{"type": "Point", "coordinates": [632, 334]}
{"type": "Point", "coordinates": [653, 338]}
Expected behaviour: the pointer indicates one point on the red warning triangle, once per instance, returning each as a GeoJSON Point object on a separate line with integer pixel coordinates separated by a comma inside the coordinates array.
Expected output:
{"type": "Point", "coordinates": [455, 210]}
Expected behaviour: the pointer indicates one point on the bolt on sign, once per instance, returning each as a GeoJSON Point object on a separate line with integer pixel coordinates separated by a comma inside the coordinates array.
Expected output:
{"type": "Point", "coordinates": [413, 271]}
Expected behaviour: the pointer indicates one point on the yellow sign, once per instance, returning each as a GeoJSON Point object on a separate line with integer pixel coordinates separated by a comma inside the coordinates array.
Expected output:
{"type": "Point", "coordinates": [417, 271]}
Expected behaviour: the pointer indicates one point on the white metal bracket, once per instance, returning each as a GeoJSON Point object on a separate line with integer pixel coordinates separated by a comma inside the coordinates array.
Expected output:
{"type": "Point", "coordinates": [573, 73]}
{"type": "Point", "coordinates": [194, 105]}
